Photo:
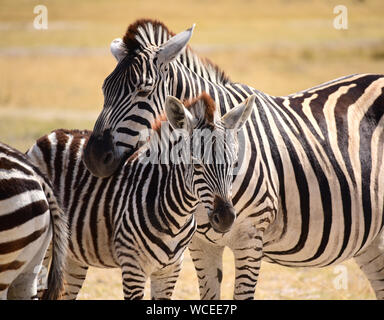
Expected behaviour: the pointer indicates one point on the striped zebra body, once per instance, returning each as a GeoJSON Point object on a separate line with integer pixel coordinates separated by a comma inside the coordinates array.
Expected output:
{"type": "Point", "coordinates": [310, 192]}
{"type": "Point", "coordinates": [104, 233]}
{"type": "Point", "coordinates": [332, 146]}
{"type": "Point", "coordinates": [30, 218]}
{"type": "Point", "coordinates": [139, 220]}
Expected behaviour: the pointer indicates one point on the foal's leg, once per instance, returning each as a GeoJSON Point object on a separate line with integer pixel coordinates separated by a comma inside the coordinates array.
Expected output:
{"type": "Point", "coordinates": [208, 261]}
{"type": "Point", "coordinates": [163, 281]}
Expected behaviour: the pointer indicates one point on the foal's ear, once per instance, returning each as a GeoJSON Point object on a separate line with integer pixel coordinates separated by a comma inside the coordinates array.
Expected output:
{"type": "Point", "coordinates": [235, 118]}
{"type": "Point", "coordinates": [174, 46]}
{"type": "Point", "coordinates": [118, 50]}
{"type": "Point", "coordinates": [178, 116]}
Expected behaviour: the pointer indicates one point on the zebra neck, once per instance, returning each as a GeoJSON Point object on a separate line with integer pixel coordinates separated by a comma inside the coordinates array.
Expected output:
{"type": "Point", "coordinates": [168, 198]}
{"type": "Point", "coordinates": [189, 78]}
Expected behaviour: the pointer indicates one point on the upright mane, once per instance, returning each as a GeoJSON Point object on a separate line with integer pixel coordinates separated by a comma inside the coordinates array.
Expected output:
{"type": "Point", "coordinates": [202, 103]}
{"type": "Point", "coordinates": [203, 107]}
{"type": "Point", "coordinates": [147, 32]}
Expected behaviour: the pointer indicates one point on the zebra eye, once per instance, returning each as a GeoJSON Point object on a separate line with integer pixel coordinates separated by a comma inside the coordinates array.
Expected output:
{"type": "Point", "coordinates": [197, 165]}
{"type": "Point", "coordinates": [143, 92]}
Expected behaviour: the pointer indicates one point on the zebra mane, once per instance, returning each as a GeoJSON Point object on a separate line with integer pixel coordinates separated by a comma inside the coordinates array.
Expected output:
{"type": "Point", "coordinates": [202, 108]}
{"type": "Point", "coordinates": [147, 32]}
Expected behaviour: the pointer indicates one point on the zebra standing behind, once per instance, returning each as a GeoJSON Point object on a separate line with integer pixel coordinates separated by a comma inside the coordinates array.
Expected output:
{"type": "Point", "coordinates": [30, 218]}
{"type": "Point", "coordinates": [141, 219]}
{"type": "Point", "coordinates": [310, 191]}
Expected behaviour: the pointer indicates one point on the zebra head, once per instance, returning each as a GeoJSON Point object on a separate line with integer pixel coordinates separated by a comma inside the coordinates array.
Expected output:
{"type": "Point", "coordinates": [134, 93]}
{"type": "Point", "coordinates": [213, 152]}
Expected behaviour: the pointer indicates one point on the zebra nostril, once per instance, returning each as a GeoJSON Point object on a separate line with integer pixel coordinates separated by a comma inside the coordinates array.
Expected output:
{"type": "Point", "coordinates": [215, 218]}
{"type": "Point", "coordinates": [108, 158]}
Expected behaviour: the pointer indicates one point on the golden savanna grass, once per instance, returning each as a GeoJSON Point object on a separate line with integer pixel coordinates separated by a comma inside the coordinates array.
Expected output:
{"type": "Point", "coordinates": [52, 79]}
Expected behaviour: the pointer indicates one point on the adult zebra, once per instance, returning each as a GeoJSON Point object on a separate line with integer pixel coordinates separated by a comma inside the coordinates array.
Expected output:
{"type": "Point", "coordinates": [311, 188]}
{"type": "Point", "coordinates": [30, 218]}
{"type": "Point", "coordinates": [140, 219]}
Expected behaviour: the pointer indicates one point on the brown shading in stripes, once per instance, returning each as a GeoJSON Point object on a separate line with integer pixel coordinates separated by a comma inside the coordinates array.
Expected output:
{"type": "Point", "coordinates": [12, 153]}
{"type": "Point", "coordinates": [14, 265]}
{"type": "Point", "coordinates": [44, 144]}
{"type": "Point", "coordinates": [12, 246]}
{"type": "Point", "coordinates": [16, 154]}
{"type": "Point", "coordinates": [129, 38]}
{"type": "Point", "coordinates": [207, 102]}
{"type": "Point", "coordinates": [23, 215]}
{"type": "Point", "coordinates": [156, 125]}
{"type": "Point", "coordinates": [14, 186]}
{"type": "Point", "coordinates": [7, 164]}
{"type": "Point", "coordinates": [203, 101]}
{"type": "Point", "coordinates": [132, 44]}
{"type": "Point", "coordinates": [3, 286]}
{"type": "Point", "coordinates": [62, 140]}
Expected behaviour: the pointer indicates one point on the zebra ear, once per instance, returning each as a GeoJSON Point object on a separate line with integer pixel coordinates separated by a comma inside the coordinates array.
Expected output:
{"type": "Point", "coordinates": [178, 116]}
{"type": "Point", "coordinates": [235, 118]}
{"type": "Point", "coordinates": [118, 50]}
{"type": "Point", "coordinates": [174, 46]}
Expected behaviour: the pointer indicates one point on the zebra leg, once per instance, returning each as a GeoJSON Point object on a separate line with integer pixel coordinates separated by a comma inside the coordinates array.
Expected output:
{"type": "Point", "coordinates": [43, 274]}
{"type": "Point", "coordinates": [247, 267]}
{"type": "Point", "coordinates": [248, 253]}
{"type": "Point", "coordinates": [24, 287]}
{"type": "Point", "coordinates": [371, 262]}
{"type": "Point", "coordinates": [75, 273]}
{"type": "Point", "coordinates": [134, 279]}
{"type": "Point", "coordinates": [208, 261]}
{"type": "Point", "coordinates": [163, 281]}
{"type": "Point", "coordinates": [21, 281]}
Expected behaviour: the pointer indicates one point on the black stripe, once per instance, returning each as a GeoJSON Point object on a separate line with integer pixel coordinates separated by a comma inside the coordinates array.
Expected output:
{"type": "Point", "coordinates": [15, 245]}
{"type": "Point", "coordinates": [249, 173]}
{"type": "Point", "coordinates": [23, 215]}
{"type": "Point", "coordinates": [15, 186]}
{"type": "Point", "coordinates": [301, 183]}
{"type": "Point", "coordinates": [366, 129]}
{"type": "Point", "coordinates": [8, 164]}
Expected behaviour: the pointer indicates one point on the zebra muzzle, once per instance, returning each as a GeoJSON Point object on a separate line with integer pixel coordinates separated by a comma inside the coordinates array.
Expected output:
{"type": "Point", "coordinates": [100, 156]}
{"type": "Point", "coordinates": [223, 215]}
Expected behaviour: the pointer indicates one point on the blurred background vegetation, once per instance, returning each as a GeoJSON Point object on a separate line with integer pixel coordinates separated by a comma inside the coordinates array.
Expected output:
{"type": "Point", "coordinates": [52, 79]}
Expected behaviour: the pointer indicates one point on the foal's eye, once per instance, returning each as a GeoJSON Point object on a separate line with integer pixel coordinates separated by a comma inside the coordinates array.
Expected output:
{"type": "Point", "coordinates": [196, 163]}
{"type": "Point", "coordinates": [197, 166]}
{"type": "Point", "coordinates": [143, 92]}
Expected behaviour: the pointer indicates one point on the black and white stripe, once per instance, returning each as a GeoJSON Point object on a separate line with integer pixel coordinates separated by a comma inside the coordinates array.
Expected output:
{"type": "Point", "coordinates": [30, 218]}
{"type": "Point", "coordinates": [139, 219]}
{"type": "Point", "coordinates": [311, 189]}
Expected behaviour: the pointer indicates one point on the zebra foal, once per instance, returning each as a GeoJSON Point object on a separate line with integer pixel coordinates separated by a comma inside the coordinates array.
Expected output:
{"type": "Point", "coordinates": [29, 218]}
{"type": "Point", "coordinates": [141, 219]}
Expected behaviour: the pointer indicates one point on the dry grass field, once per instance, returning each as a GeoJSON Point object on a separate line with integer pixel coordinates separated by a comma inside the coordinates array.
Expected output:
{"type": "Point", "coordinates": [52, 78]}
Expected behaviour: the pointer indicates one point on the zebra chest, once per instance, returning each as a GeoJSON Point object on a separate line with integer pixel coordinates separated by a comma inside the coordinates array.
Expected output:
{"type": "Point", "coordinates": [91, 237]}
{"type": "Point", "coordinates": [150, 245]}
